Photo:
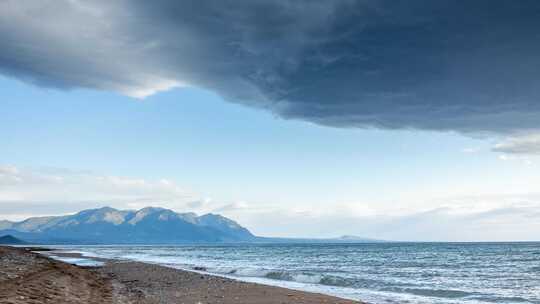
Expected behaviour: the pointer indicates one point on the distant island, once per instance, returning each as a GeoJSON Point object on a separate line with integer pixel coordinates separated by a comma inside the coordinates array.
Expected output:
{"type": "Point", "coordinates": [150, 225]}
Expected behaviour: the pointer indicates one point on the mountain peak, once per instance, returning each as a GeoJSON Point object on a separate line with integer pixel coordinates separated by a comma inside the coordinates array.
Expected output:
{"type": "Point", "coordinates": [94, 210]}
{"type": "Point", "coordinates": [106, 209]}
{"type": "Point", "coordinates": [144, 212]}
{"type": "Point", "coordinates": [103, 214]}
{"type": "Point", "coordinates": [151, 209]}
{"type": "Point", "coordinates": [149, 225]}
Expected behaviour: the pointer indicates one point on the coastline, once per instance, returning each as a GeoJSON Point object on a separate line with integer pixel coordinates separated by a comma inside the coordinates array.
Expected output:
{"type": "Point", "coordinates": [30, 277]}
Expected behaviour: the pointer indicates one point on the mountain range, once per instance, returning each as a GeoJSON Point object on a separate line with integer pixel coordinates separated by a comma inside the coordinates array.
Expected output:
{"type": "Point", "coordinates": [150, 225]}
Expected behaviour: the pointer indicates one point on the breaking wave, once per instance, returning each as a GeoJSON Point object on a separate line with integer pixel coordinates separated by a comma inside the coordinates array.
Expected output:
{"type": "Point", "coordinates": [292, 276]}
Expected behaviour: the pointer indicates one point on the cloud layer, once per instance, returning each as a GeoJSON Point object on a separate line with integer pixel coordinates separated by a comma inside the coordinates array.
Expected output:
{"type": "Point", "coordinates": [466, 66]}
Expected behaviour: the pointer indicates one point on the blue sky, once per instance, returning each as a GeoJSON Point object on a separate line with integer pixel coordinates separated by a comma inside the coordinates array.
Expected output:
{"type": "Point", "coordinates": [241, 158]}
{"type": "Point", "coordinates": [296, 118]}
{"type": "Point", "coordinates": [198, 139]}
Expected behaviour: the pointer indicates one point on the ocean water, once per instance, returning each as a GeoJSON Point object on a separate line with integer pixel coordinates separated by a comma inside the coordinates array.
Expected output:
{"type": "Point", "coordinates": [376, 273]}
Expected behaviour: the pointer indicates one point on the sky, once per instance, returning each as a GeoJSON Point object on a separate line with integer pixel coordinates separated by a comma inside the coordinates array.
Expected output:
{"type": "Point", "coordinates": [380, 119]}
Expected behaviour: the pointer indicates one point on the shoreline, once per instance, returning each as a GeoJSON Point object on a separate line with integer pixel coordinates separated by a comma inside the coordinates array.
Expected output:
{"type": "Point", "coordinates": [81, 259]}
{"type": "Point", "coordinates": [126, 282]}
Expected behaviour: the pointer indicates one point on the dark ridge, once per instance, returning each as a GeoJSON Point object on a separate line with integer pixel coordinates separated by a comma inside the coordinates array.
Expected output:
{"type": "Point", "coordinates": [11, 240]}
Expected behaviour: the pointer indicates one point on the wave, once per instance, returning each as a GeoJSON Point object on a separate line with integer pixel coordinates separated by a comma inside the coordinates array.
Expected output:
{"type": "Point", "coordinates": [303, 277]}
{"type": "Point", "coordinates": [281, 275]}
{"type": "Point", "coordinates": [336, 281]}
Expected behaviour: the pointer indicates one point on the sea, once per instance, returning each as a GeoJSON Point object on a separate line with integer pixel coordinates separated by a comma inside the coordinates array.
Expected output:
{"type": "Point", "coordinates": [441, 273]}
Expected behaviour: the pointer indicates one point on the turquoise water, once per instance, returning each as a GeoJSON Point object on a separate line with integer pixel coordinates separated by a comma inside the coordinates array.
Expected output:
{"type": "Point", "coordinates": [377, 273]}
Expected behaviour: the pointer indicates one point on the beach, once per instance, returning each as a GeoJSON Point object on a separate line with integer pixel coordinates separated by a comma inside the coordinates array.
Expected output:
{"type": "Point", "coordinates": [30, 277]}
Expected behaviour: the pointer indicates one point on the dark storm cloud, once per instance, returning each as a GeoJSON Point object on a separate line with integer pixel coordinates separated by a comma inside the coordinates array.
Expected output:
{"type": "Point", "coordinates": [466, 66]}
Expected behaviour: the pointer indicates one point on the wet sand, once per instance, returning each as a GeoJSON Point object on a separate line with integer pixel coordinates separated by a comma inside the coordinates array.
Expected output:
{"type": "Point", "coordinates": [28, 277]}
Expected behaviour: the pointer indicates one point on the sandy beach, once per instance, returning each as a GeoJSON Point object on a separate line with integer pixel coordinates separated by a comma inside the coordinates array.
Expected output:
{"type": "Point", "coordinates": [29, 277]}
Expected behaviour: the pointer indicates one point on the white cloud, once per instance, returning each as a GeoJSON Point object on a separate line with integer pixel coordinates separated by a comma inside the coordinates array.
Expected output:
{"type": "Point", "coordinates": [469, 218]}
{"type": "Point", "coordinates": [525, 144]}
{"type": "Point", "coordinates": [157, 85]}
